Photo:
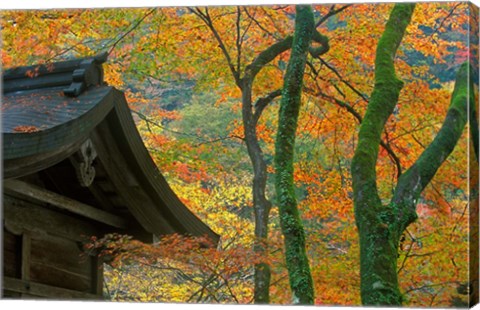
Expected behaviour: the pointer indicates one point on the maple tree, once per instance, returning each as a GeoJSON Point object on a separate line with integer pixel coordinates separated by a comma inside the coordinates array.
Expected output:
{"type": "Point", "coordinates": [204, 109]}
{"type": "Point", "coordinates": [381, 226]}
{"type": "Point", "coordinates": [179, 269]}
{"type": "Point", "coordinates": [244, 77]}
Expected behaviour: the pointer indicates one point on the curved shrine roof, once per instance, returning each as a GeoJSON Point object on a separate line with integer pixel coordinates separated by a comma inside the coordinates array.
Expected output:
{"type": "Point", "coordinates": [46, 118]}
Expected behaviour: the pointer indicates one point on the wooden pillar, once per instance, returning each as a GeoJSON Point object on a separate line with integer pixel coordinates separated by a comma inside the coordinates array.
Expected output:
{"type": "Point", "coordinates": [97, 276]}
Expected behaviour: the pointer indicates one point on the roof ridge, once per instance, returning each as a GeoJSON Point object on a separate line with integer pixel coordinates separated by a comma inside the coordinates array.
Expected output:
{"type": "Point", "coordinates": [75, 74]}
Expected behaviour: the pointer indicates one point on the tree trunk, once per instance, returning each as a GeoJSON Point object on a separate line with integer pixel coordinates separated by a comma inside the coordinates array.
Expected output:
{"type": "Point", "coordinates": [261, 204]}
{"type": "Point", "coordinates": [250, 116]}
{"type": "Point", "coordinates": [378, 263]}
{"type": "Point", "coordinates": [298, 267]}
{"type": "Point", "coordinates": [380, 226]}
{"type": "Point", "coordinates": [378, 240]}
{"type": "Point", "coordinates": [378, 237]}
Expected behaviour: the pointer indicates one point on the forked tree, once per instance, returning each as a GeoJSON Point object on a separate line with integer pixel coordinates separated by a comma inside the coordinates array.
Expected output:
{"type": "Point", "coordinates": [380, 225]}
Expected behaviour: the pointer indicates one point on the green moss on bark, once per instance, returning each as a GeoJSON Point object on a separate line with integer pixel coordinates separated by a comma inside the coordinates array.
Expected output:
{"type": "Point", "coordinates": [378, 241]}
{"type": "Point", "coordinates": [380, 226]}
{"type": "Point", "coordinates": [298, 267]}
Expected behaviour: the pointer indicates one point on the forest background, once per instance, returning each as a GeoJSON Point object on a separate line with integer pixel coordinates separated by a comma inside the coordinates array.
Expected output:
{"type": "Point", "coordinates": [195, 136]}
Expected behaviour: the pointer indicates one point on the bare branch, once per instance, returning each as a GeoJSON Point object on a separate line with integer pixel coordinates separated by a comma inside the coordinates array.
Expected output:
{"type": "Point", "coordinates": [238, 38]}
{"type": "Point", "coordinates": [258, 24]}
{"type": "Point", "coordinates": [363, 96]}
{"type": "Point", "coordinates": [267, 56]}
{"type": "Point", "coordinates": [205, 17]}
{"type": "Point", "coordinates": [429, 286]}
{"type": "Point", "coordinates": [359, 118]}
{"type": "Point", "coordinates": [444, 19]}
{"type": "Point", "coordinates": [262, 103]}
{"type": "Point", "coordinates": [331, 13]}
{"type": "Point", "coordinates": [135, 26]}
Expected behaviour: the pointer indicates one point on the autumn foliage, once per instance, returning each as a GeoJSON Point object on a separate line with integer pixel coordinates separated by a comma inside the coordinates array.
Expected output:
{"type": "Point", "coordinates": [188, 108]}
{"type": "Point", "coordinates": [177, 268]}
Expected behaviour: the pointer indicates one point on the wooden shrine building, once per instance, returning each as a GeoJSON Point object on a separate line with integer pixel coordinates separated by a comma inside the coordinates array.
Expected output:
{"type": "Point", "coordinates": [74, 166]}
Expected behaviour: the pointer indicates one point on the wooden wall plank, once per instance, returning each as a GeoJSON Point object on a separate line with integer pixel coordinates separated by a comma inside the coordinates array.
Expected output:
{"type": "Point", "coordinates": [63, 202]}
{"type": "Point", "coordinates": [61, 253]}
{"type": "Point", "coordinates": [50, 254]}
{"type": "Point", "coordinates": [38, 289]}
{"type": "Point", "coordinates": [11, 254]}
{"type": "Point", "coordinates": [59, 277]}
{"type": "Point", "coordinates": [7, 294]}
{"type": "Point", "coordinates": [26, 255]}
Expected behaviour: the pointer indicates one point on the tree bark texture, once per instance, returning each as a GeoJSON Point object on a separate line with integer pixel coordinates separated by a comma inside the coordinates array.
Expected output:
{"type": "Point", "coordinates": [380, 226]}
{"type": "Point", "coordinates": [250, 116]}
{"type": "Point", "coordinates": [378, 247]}
{"type": "Point", "coordinates": [261, 204]}
{"type": "Point", "coordinates": [300, 278]}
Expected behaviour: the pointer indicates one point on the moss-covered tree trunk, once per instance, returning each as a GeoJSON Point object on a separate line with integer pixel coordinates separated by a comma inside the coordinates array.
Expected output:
{"type": "Point", "coordinates": [251, 113]}
{"type": "Point", "coordinates": [380, 226]}
{"type": "Point", "coordinates": [378, 243]}
{"type": "Point", "coordinates": [300, 278]}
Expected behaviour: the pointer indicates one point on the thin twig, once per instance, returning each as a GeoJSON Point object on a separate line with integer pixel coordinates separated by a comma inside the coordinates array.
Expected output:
{"type": "Point", "coordinates": [359, 118]}
{"type": "Point", "coordinates": [238, 40]}
{"type": "Point", "coordinates": [259, 25]}
{"type": "Point", "coordinates": [331, 13]}
{"type": "Point", "coordinates": [429, 285]}
{"type": "Point", "coordinates": [363, 96]}
{"type": "Point", "coordinates": [444, 19]}
{"type": "Point", "coordinates": [135, 26]}
{"type": "Point", "coordinates": [205, 17]}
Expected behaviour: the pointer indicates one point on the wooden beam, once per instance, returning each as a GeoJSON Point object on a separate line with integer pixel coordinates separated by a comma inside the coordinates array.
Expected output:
{"type": "Point", "coordinates": [43, 290]}
{"type": "Point", "coordinates": [64, 203]}
{"type": "Point", "coordinates": [21, 215]}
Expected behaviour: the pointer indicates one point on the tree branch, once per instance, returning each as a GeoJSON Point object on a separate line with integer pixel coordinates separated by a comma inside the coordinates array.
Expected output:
{"type": "Point", "coordinates": [245, 31]}
{"type": "Point", "coordinates": [429, 286]}
{"type": "Point", "coordinates": [135, 26]}
{"type": "Point", "coordinates": [201, 140]}
{"type": "Point", "coordinates": [262, 103]}
{"type": "Point", "coordinates": [73, 47]}
{"type": "Point", "coordinates": [324, 46]}
{"type": "Point", "coordinates": [363, 96]}
{"type": "Point", "coordinates": [238, 41]}
{"type": "Point", "coordinates": [444, 19]}
{"type": "Point", "coordinates": [381, 105]}
{"type": "Point", "coordinates": [258, 23]}
{"type": "Point", "coordinates": [414, 180]}
{"type": "Point", "coordinates": [267, 56]}
{"type": "Point", "coordinates": [359, 118]}
{"type": "Point", "coordinates": [331, 13]}
{"type": "Point", "coordinates": [205, 17]}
